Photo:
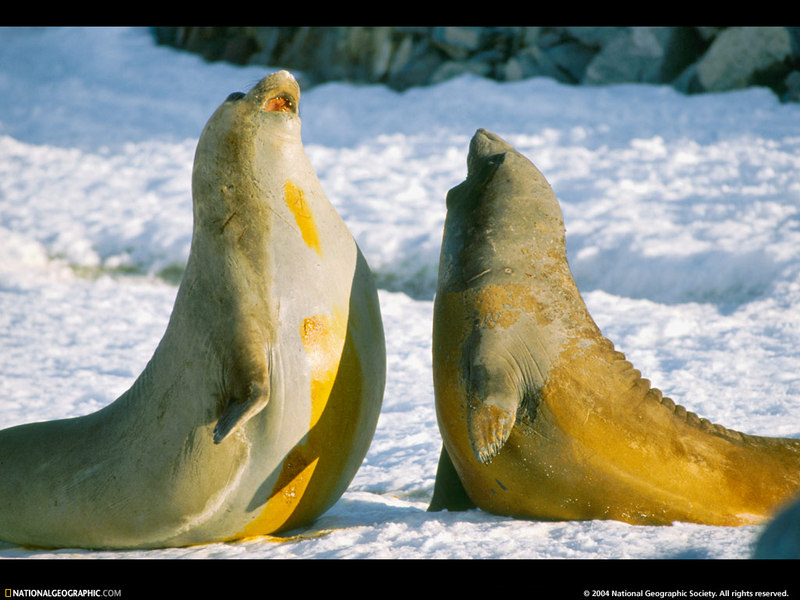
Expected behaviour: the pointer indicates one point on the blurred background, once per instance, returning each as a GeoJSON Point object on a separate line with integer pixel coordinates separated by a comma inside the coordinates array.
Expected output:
{"type": "Point", "coordinates": [692, 59]}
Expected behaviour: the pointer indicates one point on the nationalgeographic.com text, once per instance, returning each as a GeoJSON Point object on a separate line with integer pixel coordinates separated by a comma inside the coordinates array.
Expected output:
{"type": "Point", "coordinates": [25, 593]}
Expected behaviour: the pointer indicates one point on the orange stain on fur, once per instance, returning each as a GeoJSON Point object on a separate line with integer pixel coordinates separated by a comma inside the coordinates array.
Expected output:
{"type": "Point", "coordinates": [286, 494]}
{"type": "Point", "coordinates": [323, 339]}
{"type": "Point", "coordinates": [297, 203]}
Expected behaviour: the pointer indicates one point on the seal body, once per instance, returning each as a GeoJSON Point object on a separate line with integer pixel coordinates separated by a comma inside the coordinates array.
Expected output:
{"type": "Point", "coordinates": [260, 401]}
{"type": "Point", "coordinates": [540, 416]}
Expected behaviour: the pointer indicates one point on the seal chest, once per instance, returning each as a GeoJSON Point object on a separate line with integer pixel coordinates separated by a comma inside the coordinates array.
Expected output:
{"type": "Point", "coordinates": [260, 402]}
{"type": "Point", "coordinates": [540, 416]}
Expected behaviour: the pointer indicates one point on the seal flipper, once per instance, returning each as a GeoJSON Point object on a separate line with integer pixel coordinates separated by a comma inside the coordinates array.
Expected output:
{"type": "Point", "coordinates": [489, 428]}
{"type": "Point", "coordinates": [238, 412]}
{"type": "Point", "coordinates": [242, 402]}
{"type": "Point", "coordinates": [448, 491]}
{"type": "Point", "coordinates": [494, 393]}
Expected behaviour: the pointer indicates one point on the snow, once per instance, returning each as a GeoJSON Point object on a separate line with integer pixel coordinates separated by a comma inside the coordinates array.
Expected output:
{"type": "Point", "coordinates": [683, 233]}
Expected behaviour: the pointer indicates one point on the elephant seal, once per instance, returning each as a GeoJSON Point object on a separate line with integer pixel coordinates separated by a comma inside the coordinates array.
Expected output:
{"type": "Point", "coordinates": [780, 539]}
{"type": "Point", "coordinates": [261, 400]}
{"type": "Point", "coordinates": [540, 416]}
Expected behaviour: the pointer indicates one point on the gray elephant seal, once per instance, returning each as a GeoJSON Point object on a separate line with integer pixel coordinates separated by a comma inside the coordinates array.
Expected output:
{"type": "Point", "coordinates": [262, 398]}
{"type": "Point", "coordinates": [540, 417]}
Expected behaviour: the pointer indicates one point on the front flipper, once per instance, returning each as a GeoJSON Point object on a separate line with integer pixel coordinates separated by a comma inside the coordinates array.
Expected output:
{"type": "Point", "coordinates": [491, 412]}
{"type": "Point", "coordinates": [489, 428]}
{"type": "Point", "coordinates": [495, 389]}
{"type": "Point", "coordinates": [246, 392]}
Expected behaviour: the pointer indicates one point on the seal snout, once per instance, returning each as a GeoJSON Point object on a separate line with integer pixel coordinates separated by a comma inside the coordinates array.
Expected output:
{"type": "Point", "coordinates": [485, 147]}
{"type": "Point", "coordinates": [485, 144]}
{"type": "Point", "coordinates": [284, 74]}
{"type": "Point", "coordinates": [280, 92]}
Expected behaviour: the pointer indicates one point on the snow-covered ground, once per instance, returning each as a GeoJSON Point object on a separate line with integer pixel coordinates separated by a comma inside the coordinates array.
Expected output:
{"type": "Point", "coordinates": [683, 233]}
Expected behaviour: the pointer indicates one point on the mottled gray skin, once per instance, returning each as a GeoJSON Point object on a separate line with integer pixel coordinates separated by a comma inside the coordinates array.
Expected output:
{"type": "Point", "coordinates": [225, 434]}
{"type": "Point", "coordinates": [540, 416]}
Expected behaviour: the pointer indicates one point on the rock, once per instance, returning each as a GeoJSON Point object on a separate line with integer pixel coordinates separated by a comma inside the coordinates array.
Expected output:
{"type": "Point", "coordinates": [238, 49]}
{"type": "Point", "coordinates": [708, 33]}
{"type": "Point", "coordinates": [417, 69]}
{"type": "Point", "coordinates": [692, 59]}
{"type": "Point", "coordinates": [740, 56]}
{"type": "Point", "coordinates": [567, 61]}
{"type": "Point", "coordinates": [401, 58]}
{"type": "Point", "coordinates": [369, 50]}
{"type": "Point", "coordinates": [595, 37]}
{"type": "Point", "coordinates": [529, 36]}
{"type": "Point", "coordinates": [206, 41]}
{"type": "Point", "coordinates": [457, 42]}
{"type": "Point", "coordinates": [792, 83]}
{"type": "Point", "coordinates": [267, 41]}
{"type": "Point", "coordinates": [643, 54]}
{"type": "Point", "coordinates": [453, 68]}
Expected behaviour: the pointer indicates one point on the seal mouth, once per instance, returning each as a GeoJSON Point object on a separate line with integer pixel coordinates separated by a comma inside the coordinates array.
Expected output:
{"type": "Point", "coordinates": [278, 92]}
{"type": "Point", "coordinates": [281, 103]}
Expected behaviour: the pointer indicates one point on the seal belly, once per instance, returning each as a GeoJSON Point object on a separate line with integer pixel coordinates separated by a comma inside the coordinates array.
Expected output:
{"type": "Point", "coordinates": [323, 340]}
{"type": "Point", "coordinates": [334, 330]}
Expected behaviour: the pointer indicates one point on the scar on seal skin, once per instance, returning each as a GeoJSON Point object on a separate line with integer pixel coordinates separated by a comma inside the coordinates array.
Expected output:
{"type": "Point", "coordinates": [540, 416]}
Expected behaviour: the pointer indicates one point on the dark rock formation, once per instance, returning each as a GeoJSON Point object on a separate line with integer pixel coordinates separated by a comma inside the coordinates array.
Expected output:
{"type": "Point", "coordinates": [692, 59]}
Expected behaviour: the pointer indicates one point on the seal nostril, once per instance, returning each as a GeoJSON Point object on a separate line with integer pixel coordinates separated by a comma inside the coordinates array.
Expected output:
{"type": "Point", "coordinates": [235, 96]}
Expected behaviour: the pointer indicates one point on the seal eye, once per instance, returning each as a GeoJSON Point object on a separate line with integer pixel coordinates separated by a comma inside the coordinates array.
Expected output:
{"type": "Point", "coordinates": [282, 103]}
{"type": "Point", "coordinates": [235, 96]}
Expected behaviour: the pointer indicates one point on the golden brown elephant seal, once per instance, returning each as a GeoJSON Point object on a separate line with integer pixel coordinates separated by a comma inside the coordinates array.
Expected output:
{"type": "Point", "coordinates": [540, 417]}
{"type": "Point", "coordinates": [261, 399]}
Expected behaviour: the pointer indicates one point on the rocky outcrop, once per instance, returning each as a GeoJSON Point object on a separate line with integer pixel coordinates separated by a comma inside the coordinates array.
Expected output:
{"type": "Point", "coordinates": [692, 59]}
